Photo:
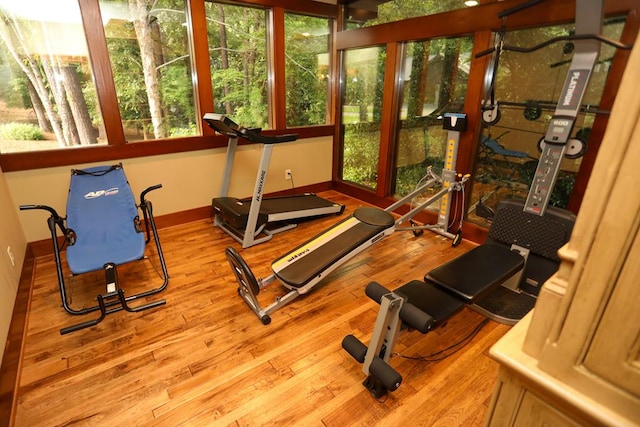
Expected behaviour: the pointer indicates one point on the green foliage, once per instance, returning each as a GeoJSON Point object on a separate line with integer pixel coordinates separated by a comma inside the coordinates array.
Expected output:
{"type": "Point", "coordinates": [361, 144]}
{"type": "Point", "coordinates": [407, 177]}
{"type": "Point", "coordinates": [176, 92]}
{"type": "Point", "coordinates": [238, 55]}
{"type": "Point", "coordinates": [190, 130]}
{"type": "Point", "coordinates": [128, 77]}
{"type": "Point", "coordinates": [21, 131]}
{"type": "Point", "coordinates": [306, 75]}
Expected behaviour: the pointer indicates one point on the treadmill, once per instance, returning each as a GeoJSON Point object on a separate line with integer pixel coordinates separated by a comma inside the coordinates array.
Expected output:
{"type": "Point", "coordinates": [256, 219]}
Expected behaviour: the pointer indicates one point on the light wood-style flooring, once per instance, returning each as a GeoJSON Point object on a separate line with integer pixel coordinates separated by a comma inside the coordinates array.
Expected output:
{"type": "Point", "coordinates": [205, 359]}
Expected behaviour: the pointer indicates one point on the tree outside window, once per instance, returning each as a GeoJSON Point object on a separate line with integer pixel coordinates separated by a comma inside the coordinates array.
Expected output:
{"type": "Point", "coordinates": [361, 114]}
{"type": "Point", "coordinates": [47, 91]}
{"type": "Point", "coordinates": [434, 82]}
{"type": "Point", "coordinates": [238, 55]}
{"type": "Point", "coordinates": [151, 62]}
{"type": "Point", "coordinates": [307, 69]}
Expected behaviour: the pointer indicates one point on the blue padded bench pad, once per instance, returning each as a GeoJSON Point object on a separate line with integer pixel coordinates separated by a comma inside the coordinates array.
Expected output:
{"type": "Point", "coordinates": [102, 211]}
{"type": "Point", "coordinates": [475, 273]}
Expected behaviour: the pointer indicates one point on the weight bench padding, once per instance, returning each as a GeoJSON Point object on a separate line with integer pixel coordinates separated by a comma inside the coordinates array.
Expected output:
{"type": "Point", "coordinates": [102, 211]}
{"type": "Point", "coordinates": [332, 245]}
{"type": "Point", "coordinates": [429, 299]}
{"type": "Point", "coordinates": [475, 273]}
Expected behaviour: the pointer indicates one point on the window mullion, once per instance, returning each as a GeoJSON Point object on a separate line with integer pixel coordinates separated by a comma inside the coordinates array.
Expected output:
{"type": "Point", "coordinates": [102, 72]}
{"type": "Point", "coordinates": [277, 65]}
{"type": "Point", "coordinates": [199, 45]}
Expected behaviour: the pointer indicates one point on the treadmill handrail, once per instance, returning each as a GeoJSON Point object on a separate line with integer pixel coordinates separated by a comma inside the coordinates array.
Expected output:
{"type": "Point", "coordinates": [224, 125]}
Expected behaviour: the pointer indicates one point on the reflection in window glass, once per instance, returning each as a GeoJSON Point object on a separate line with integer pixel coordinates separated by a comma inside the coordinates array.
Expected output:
{"type": "Point", "coordinates": [151, 63]}
{"type": "Point", "coordinates": [361, 114]}
{"type": "Point", "coordinates": [47, 91]}
{"type": "Point", "coordinates": [366, 13]}
{"type": "Point", "coordinates": [238, 54]}
{"type": "Point", "coordinates": [434, 82]}
{"type": "Point", "coordinates": [527, 89]}
{"type": "Point", "coordinates": [307, 69]}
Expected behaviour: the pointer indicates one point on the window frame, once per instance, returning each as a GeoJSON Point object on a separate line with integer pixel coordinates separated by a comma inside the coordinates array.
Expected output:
{"type": "Point", "coordinates": [118, 147]}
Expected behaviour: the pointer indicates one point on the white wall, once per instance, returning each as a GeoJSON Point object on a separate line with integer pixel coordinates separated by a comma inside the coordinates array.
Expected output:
{"type": "Point", "coordinates": [190, 180]}
{"type": "Point", "coordinates": [11, 235]}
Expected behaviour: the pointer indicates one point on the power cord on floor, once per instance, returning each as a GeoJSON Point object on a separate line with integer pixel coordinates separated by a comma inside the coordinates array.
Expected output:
{"type": "Point", "coordinates": [453, 348]}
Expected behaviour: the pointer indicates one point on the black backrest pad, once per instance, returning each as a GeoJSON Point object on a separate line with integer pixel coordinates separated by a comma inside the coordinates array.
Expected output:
{"type": "Point", "coordinates": [542, 235]}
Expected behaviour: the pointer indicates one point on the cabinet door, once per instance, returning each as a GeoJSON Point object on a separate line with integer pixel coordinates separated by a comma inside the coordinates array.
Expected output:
{"type": "Point", "coordinates": [534, 412]}
{"type": "Point", "coordinates": [614, 351]}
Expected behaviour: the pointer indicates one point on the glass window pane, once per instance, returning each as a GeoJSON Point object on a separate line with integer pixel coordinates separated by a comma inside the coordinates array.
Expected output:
{"type": "Point", "coordinates": [361, 114]}
{"type": "Point", "coordinates": [47, 90]}
{"type": "Point", "coordinates": [307, 69]}
{"type": "Point", "coordinates": [366, 13]}
{"type": "Point", "coordinates": [238, 53]}
{"type": "Point", "coordinates": [527, 89]}
{"type": "Point", "coordinates": [151, 63]}
{"type": "Point", "coordinates": [434, 82]}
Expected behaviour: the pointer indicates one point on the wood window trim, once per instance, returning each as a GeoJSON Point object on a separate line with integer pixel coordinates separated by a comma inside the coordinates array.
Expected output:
{"type": "Point", "coordinates": [119, 148]}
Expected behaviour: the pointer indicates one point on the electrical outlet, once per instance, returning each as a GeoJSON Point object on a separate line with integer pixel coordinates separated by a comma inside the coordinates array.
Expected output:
{"type": "Point", "coordinates": [11, 258]}
{"type": "Point", "coordinates": [287, 174]}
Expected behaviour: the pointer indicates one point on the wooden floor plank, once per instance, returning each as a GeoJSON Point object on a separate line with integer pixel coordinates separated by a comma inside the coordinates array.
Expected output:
{"type": "Point", "coordinates": [205, 359]}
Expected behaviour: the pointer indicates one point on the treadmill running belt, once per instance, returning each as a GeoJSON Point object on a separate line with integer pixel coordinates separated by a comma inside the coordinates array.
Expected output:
{"type": "Point", "coordinates": [299, 202]}
{"type": "Point", "coordinates": [308, 260]}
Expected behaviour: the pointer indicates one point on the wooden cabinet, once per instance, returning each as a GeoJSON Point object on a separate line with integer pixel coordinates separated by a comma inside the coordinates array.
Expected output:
{"type": "Point", "coordinates": [575, 360]}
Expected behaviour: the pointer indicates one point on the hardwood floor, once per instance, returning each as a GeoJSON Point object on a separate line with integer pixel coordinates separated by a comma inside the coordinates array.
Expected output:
{"type": "Point", "coordinates": [205, 359]}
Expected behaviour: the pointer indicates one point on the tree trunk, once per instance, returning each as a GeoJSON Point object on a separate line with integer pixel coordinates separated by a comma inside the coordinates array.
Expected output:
{"type": "Point", "coordinates": [38, 108]}
{"type": "Point", "coordinates": [69, 129]}
{"type": "Point", "coordinates": [144, 34]}
{"type": "Point", "coordinates": [29, 67]}
{"type": "Point", "coordinates": [449, 72]}
{"type": "Point", "coordinates": [79, 110]}
{"type": "Point", "coordinates": [419, 73]}
{"type": "Point", "coordinates": [224, 56]}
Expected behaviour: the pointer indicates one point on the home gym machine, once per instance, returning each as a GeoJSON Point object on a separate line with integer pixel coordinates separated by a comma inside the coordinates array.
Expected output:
{"type": "Point", "coordinates": [500, 278]}
{"type": "Point", "coordinates": [301, 269]}
{"type": "Point", "coordinates": [255, 220]}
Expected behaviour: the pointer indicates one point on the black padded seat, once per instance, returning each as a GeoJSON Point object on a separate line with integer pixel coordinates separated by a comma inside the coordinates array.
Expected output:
{"type": "Point", "coordinates": [475, 273]}
{"type": "Point", "coordinates": [338, 241]}
{"type": "Point", "coordinates": [431, 300]}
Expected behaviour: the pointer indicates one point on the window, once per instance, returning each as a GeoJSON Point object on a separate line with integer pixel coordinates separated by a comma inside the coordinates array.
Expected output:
{"type": "Point", "coordinates": [434, 82]}
{"type": "Point", "coordinates": [361, 114]}
{"type": "Point", "coordinates": [238, 55]}
{"type": "Point", "coordinates": [151, 63]}
{"type": "Point", "coordinates": [47, 90]}
{"type": "Point", "coordinates": [307, 70]}
{"type": "Point", "coordinates": [527, 89]}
